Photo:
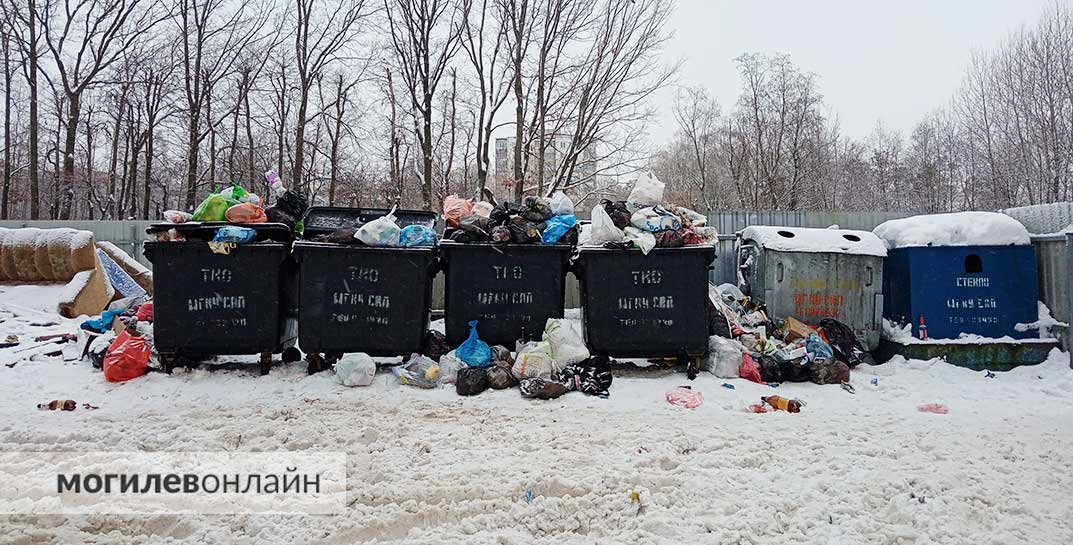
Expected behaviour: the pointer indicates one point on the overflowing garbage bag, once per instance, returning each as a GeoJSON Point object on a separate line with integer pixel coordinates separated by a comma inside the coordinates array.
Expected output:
{"type": "Point", "coordinates": [473, 351]}
{"type": "Point", "coordinates": [127, 357]}
{"type": "Point", "coordinates": [536, 220]}
{"type": "Point", "coordinates": [418, 371]}
{"type": "Point", "coordinates": [471, 381]}
{"type": "Point", "coordinates": [234, 204]}
{"type": "Point", "coordinates": [355, 369]}
{"type": "Point", "coordinates": [382, 231]}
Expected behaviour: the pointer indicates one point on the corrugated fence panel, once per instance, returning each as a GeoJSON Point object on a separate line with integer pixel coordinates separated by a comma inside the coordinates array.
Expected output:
{"type": "Point", "coordinates": [128, 235]}
{"type": "Point", "coordinates": [1054, 274]}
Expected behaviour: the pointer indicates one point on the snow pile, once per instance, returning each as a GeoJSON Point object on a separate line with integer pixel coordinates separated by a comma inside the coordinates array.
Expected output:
{"type": "Point", "coordinates": [956, 229]}
{"type": "Point", "coordinates": [1047, 324]}
{"type": "Point", "coordinates": [903, 334]}
{"type": "Point", "coordinates": [803, 239]}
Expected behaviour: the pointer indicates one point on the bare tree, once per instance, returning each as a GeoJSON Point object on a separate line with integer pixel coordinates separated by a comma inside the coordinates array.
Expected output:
{"type": "Point", "coordinates": [484, 42]}
{"type": "Point", "coordinates": [425, 38]}
{"type": "Point", "coordinates": [698, 117]}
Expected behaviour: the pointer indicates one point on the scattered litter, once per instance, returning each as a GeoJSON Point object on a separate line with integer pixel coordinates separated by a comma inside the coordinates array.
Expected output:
{"type": "Point", "coordinates": [684, 396]}
{"type": "Point", "coordinates": [757, 408]}
{"type": "Point", "coordinates": [782, 404]}
{"type": "Point", "coordinates": [989, 374]}
{"type": "Point", "coordinates": [528, 496]}
{"type": "Point", "coordinates": [728, 386]}
{"type": "Point", "coordinates": [56, 404]}
{"type": "Point", "coordinates": [937, 408]}
{"type": "Point", "coordinates": [849, 388]}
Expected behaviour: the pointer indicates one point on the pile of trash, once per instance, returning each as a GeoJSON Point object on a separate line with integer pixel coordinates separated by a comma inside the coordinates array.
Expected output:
{"type": "Point", "coordinates": [750, 345]}
{"type": "Point", "coordinates": [544, 369]}
{"type": "Point", "coordinates": [644, 222]}
{"type": "Point", "coordinates": [382, 232]}
{"type": "Point", "coordinates": [236, 205]}
{"type": "Point", "coordinates": [120, 340]}
{"type": "Point", "coordinates": [537, 220]}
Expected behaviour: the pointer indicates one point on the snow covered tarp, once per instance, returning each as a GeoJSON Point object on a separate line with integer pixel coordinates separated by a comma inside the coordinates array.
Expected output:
{"type": "Point", "coordinates": [955, 229]}
{"type": "Point", "coordinates": [811, 240]}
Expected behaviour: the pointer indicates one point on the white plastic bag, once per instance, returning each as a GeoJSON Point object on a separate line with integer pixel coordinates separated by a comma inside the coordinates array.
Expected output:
{"type": "Point", "coordinates": [449, 366]}
{"type": "Point", "coordinates": [561, 205]}
{"type": "Point", "coordinates": [564, 342]}
{"type": "Point", "coordinates": [642, 239]}
{"type": "Point", "coordinates": [724, 357]}
{"type": "Point", "coordinates": [647, 191]}
{"type": "Point", "coordinates": [690, 218]}
{"type": "Point", "coordinates": [534, 360]}
{"type": "Point", "coordinates": [655, 219]}
{"type": "Point", "coordinates": [603, 228]}
{"type": "Point", "coordinates": [483, 209]}
{"type": "Point", "coordinates": [381, 231]}
{"type": "Point", "coordinates": [355, 369]}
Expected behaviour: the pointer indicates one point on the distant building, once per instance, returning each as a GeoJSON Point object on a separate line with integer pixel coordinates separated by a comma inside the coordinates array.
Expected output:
{"type": "Point", "coordinates": [553, 160]}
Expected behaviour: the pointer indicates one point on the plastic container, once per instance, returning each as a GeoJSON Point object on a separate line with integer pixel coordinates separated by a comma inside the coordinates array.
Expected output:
{"type": "Point", "coordinates": [812, 274]}
{"type": "Point", "coordinates": [210, 304]}
{"type": "Point", "coordinates": [634, 305]}
{"type": "Point", "coordinates": [358, 298]}
{"type": "Point", "coordinates": [510, 289]}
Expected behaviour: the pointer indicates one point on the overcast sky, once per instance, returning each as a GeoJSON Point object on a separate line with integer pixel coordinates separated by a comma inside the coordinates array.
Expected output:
{"type": "Point", "coordinates": [878, 60]}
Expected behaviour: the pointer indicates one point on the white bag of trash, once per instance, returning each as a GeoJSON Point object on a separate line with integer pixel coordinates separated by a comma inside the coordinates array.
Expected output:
{"type": "Point", "coordinates": [561, 205]}
{"type": "Point", "coordinates": [647, 191]}
{"type": "Point", "coordinates": [602, 229]}
{"type": "Point", "coordinates": [724, 357]}
{"type": "Point", "coordinates": [564, 342]}
{"type": "Point", "coordinates": [355, 369]}
{"type": "Point", "coordinates": [382, 231]}
{"type": "Point", "coordinates": [534, 360]}
{"type": "Point", "coordinates": [449, 366]}
{"type": "Point", "coordinates": [642, 239]}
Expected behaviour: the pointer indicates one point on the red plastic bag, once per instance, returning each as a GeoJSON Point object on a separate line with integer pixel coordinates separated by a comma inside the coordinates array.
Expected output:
{"type": "Point", "coordinates": [749, 369]}
{"type": "Point", "coordinates": [937, 408]}
{"type": "Point", "coordinates": [684, 397]}
{"type": "Point", "coordinates": [246, 212]}
{"type": "Point", "coordinates": [127, 358]}
{"type": "Point", "coordinates": [145, 312]}
{"type": "Point", "coordinates": [455, 208]}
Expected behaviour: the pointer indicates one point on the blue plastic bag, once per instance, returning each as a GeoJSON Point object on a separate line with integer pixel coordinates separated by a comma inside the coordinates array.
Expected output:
{"type": "Point", "coordinates": [473, 351]}
{"type": "Point", "coordinates": [817, 349]}
{"type": "Point", "coordinates": [238, 235]}
{"type": "Point", "coordinates": [556, 227]}
{"type": "Point", "coordinates": [417, 235]}
{"type": "Point", "coordinates": [102, 324]}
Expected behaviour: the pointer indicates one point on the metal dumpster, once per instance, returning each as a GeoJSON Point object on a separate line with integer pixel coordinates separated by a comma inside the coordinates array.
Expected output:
{"type": "Point", "coordinates": [359, 298]}
{"type": "Point", "coordinates": [510, 289]}
{"type": "Point", "coordinates": [812, 274]}
{"type": "Point", "coordinates": [635, 305]}
{"type": "Point", "coordinates": [210, 304]}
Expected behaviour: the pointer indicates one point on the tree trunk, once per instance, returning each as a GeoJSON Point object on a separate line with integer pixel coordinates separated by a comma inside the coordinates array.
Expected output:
{"type": "Point", "coordinates": [67, 181]}
{"type": "Point", "coordinates": [113, 208]}
{"type": "Point", "coordinates": [35, 157]}
{"type": "Point", "coordinates": [299, 140]}
{"type": "Point", "coordinates": [149, 136]}
{"type": "Point", "coordinates": [7, 127]}
{"type": "Point", "coordinates": [249, 140]}
{"type": "Point", "coordinates": [192, 160]}
{"type": "Point", "coordinates": [426, 152]}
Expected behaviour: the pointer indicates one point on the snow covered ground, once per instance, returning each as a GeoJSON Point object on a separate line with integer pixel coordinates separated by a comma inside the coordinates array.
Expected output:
{"type": "Point", "coordinates": [428, 466]}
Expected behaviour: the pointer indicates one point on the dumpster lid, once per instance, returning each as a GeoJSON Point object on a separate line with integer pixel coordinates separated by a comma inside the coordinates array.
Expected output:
{"type": "Point", "coordinates": [322, 220]}
{"type": "Point", "coordinates": [955, 229]}
{"type": "Point", "coordinates": [276, 232]}
{"type": "Point", "coordinates": [811, 240]}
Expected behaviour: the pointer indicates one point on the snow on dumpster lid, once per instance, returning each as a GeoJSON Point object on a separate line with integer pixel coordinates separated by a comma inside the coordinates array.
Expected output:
{"type": "Point", "coordinates": [956, 229]}
{"type": "Point", "coordinates": [811, 240]}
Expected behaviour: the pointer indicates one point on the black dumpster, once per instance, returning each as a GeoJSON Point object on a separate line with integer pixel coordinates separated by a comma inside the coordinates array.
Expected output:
{"type": "Point", "coordinates": [641, 306]}
{"type": "Point", "coordinates": [210, 304]}
{"type": "Point", "coordinates": [361, 298]}
{"type": "Point", "coordinates": [510, 289]}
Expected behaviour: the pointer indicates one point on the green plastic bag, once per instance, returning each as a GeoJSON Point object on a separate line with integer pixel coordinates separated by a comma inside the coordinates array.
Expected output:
{"type": "Point", "coordinates": [213, 208]}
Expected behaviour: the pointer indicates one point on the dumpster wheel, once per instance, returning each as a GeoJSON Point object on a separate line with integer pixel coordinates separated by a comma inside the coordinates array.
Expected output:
{"type": "Point", "coordinates": [291, 355]}
{"type": "Point", "coordinates": [314, 363]}
{"type": "Point", "coordinates": [266, 362]}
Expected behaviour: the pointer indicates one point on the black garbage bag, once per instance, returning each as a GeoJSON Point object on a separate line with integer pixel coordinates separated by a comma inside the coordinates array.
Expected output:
{"type": "Point", "coordinates": [541, 388]}
{"type": "Point", "coordinates": [277, 215]}
{"type": "Point", "coordinates": [770, 370]}
{"type": "Point", "coordinates": [502, 213]}
{"type": "Point", "coordinates": [844, 343]}
{"type": "Point", "coordinates": [471, 381]}
{"type": "Point", "coordinates": [592, 376]}
{"type": "Point", "coordinates": [795, 370]}
{"type": "Point", "coordinates": [342, 235]}
{"type": "Point", "coordinates": [502, 353]}
{"type": "Point", "coordinates": [294, 204]}
{"type": "Point", "coordinates": [499, 375]}
{"type": "Point", "coordinates": [434, 345]}
{"type": "Point", "coordinates": [536, 209]}
{"type": "Point", "coordinates": [828, 371]}
{"type": "Point", "coordinates": [620, 215]}
{"type": "Point", "coordinates": [476, 224]}
{"type": "Point", "coordinates": [461, 236]}
{"type": "Point", "coordinates": [524, 232]}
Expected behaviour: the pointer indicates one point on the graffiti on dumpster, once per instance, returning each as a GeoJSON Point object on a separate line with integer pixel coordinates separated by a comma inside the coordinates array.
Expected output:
{"type": "Point", "coordinates": [818, 305]}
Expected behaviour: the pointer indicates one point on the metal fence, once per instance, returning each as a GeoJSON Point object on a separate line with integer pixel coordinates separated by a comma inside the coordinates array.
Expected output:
{"type": "Point", "coordinates": [1054, 276]}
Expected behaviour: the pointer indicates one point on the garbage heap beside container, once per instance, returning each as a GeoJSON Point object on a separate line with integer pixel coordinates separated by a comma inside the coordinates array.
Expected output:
{"type": "Point", "coordinates": [645, 306]}
{"type": "Point", "coordinates": [812, 274]}
{"type": "Point", "coordinates": [356, 298]}
{"type": "Point", "coordinates": [234, 302]}
{"type": "Point", "coordinates": [510, 289]}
